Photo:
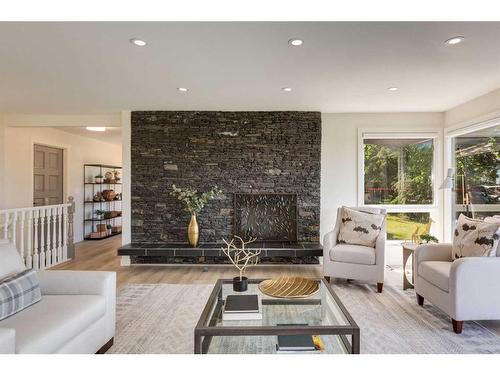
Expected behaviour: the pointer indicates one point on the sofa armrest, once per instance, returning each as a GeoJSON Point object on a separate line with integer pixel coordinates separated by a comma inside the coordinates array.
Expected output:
{"type": "Point", "coordinates": [380, 246]}
{"type": "Point", "coordinates": [329, 241]}
{"type": "Point", "coordinates": [99, 283]}
{"type": "Point", "coordinates": [475, 288]}
{"type": "Point", "coordinates": [7, 341]}
{"type": "Point", "coordinates": [432, 252]}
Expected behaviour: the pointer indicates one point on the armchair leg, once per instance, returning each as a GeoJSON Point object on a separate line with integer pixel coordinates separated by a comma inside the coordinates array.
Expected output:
{"type": "Point", "coordinates": [106, 346]}
{"type": "Point", "coordinates": [420, 300]}
{"type": "Point", "coordinates": [458, 325]}
{"type": "Point", "coordinates": [380, 286]}
{"type": "Point", "coordinates": [327, 278]}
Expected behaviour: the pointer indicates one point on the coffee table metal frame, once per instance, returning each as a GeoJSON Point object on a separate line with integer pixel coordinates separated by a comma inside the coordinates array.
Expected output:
{"type": "Point", "coordinates": [206, 328]}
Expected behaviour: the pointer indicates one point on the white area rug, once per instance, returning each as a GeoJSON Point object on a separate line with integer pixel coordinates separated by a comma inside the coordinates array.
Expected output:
{"type": "Point", "coordinates": [160, 318]}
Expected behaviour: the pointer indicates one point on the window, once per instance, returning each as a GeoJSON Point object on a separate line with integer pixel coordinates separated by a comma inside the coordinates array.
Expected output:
{"type": "Point", "coordinates": [402, 225]}
{"type": "Point", "coordinates": [397, 174]}
{"type": "Point", "coordinates": [398, 171]}
{"type": "Point", "coordinates": [476, 157]}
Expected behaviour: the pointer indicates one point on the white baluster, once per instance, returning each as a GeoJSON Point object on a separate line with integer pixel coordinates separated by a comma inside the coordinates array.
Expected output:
{"type": "Point", "coordinates": [65, 234]}
{"type": "Point", "coordinates": [48, 242]}
{"type": "Point", "coordinates": [14, 229]}
{"type": "Point", "coordinates": [60, 237]}
{"type": "Point", "coordinates": [42, 235]}
{"type": "Point", "coordinates": [22, 234]}
{"type": "Point", "coordinates": [6, 226]}
{"type": "Point", "coordinates": [42, 238]}
{"type": "Point", "coordinates": [29, 251]}
{"type": "Point", "coordinates": [54, 234]}
{"type": "Point", "coordinates": [36, 246]}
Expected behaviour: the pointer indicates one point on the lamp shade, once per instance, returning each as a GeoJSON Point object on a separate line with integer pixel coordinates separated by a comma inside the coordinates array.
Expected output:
{"type": "Point", "coordinates": [448, 181]}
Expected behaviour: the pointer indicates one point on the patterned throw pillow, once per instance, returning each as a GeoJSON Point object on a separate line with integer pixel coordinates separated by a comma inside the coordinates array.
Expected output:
{"type": "Point", "coordinates": [495, 219]}
{"type": "Point", "coordinates": [360, 228]}
{"type": "Point", "coordinates": [474, 238]}
{"type": "Point", "coordinates": [18, 292]}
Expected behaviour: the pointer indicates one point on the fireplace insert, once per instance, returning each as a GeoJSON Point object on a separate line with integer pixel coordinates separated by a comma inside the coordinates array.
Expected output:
{"type": "Point", "coordinates": [267, 217]}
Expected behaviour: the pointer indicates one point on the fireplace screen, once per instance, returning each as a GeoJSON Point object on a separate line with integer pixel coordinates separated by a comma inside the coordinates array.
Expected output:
{"type": "Point", "coordinates": [268, 217]}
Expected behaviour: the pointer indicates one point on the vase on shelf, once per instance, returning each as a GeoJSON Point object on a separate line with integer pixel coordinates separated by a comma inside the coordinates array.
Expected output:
{"type": "Point", "coordinates": [193, 231]}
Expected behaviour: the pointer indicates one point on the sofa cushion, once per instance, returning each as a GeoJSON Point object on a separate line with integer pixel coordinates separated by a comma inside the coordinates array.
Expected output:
{"type": "Point", "coordinates": [359, 228]}
{"type": "Point", "coordinates": [48, 325]}
{"type": "Point", "coordinates": [18, 292]}
{"type": "Point", "coordinates": [11, 261]}
{"type": "Point", "coordinates": [353, 254]}
{"type": "Point", "coordinates": [437, 273]}
{"type": "Point", "coordinates": [474, 238]}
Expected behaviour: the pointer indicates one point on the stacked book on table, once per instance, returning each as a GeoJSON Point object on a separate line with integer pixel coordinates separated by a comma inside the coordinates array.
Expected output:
{"type": "Point", "coordinates": [297, 344]}
{"type": "Point", "coordinates": [242, 307]}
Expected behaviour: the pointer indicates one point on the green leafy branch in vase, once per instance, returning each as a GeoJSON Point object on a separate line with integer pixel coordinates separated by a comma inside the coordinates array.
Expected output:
{"type": "Point", "coordinates": [192, 200]}
{"type": "Point", "coordinates": [428, 238]}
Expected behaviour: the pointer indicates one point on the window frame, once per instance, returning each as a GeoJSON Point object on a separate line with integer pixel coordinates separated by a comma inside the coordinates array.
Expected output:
{"type": "Point", "coordinates": [449, 162]}
{"type": "Point", "coordinates": [433, 209]}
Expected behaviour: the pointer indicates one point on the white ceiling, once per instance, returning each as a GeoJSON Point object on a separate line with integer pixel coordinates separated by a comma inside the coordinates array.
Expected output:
{"type": "Point", "coordinates": [342, 67]}
{"type": "Point", "coordinates": [111, 135]}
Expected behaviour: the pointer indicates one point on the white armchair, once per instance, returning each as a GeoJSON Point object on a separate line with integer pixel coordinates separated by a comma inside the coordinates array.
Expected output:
{"type": "Point", "coordinates": [465, 289]}
{"type": "Point", "coordinates": [354, 261]}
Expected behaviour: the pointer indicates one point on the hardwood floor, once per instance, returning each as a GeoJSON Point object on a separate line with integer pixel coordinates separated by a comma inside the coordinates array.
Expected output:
{"type": "Point", "coordinates": [101, 256]}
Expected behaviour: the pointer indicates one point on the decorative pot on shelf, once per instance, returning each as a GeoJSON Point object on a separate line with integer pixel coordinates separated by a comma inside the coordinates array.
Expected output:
{"type": "Point", "coordinates": [193, 231]}
{"type": "Point", "coordinates": [98, 180]}
{"type": "Point", "coordinates": [240, 284]}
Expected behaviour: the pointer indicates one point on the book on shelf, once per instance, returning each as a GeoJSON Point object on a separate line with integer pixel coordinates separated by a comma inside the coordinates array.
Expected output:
{"type": "Point", "coordinates": [242, 307]}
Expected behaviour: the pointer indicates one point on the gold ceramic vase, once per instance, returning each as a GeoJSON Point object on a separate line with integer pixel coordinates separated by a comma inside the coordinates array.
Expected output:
{"type": "Point", "coordinates": [193, 231]}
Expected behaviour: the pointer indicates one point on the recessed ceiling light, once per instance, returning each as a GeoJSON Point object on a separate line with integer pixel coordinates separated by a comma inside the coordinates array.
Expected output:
{"type": "Point", "coordinates": [182, 89]}
{"type": "Point", "coordinates": [96, 128]}
{"type": "Point", "coordinates": [455, 40]}
{"type": "Point", "coordinates": [287, 89]}
{"type": "Point", "coordinates": [393, 88]}
{"type": "Point", "coordinates": [138, 42]}
{"type": "Point", "coordinates": [295, 42]}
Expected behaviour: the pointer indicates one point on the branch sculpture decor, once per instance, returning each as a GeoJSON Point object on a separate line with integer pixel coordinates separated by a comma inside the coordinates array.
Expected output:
{"type": "Point", "coordinates": [242, 258]}
{"type": "Point", "coordinates": [193, 202]}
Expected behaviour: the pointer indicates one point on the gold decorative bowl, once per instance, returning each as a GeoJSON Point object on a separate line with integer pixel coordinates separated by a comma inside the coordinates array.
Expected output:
{"type": "Point", "coordinates": [289, 287]}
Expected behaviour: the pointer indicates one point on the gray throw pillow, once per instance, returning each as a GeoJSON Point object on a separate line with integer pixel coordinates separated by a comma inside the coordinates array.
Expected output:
{"type": "Point", "coordinates": [18, 292]}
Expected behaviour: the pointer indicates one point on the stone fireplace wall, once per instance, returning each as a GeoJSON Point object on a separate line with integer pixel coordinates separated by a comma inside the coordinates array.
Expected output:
{"type": "Point", "coordinates": [245, 152]}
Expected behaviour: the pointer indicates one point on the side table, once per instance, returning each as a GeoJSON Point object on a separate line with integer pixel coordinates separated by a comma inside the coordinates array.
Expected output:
{"type": "Point", "coordinates": [408, 250]}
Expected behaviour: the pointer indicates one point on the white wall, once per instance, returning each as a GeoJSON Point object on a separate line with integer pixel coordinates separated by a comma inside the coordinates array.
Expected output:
{"type": "Point", "coordinates": [2, 160]}
{"type": "Point", "coordinates": [51, 120]}
{"type": "Point", "coordinates": [477, 110]}
{"type": "Point", "coordinates": [126, 204]}
{"type": "Point", "coordinates": [339, 150]}
{"type": "Point", "coordinates": [18, 184]}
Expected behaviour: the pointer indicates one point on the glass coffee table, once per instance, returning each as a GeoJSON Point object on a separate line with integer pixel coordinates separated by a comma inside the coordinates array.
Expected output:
{"type": "Point", "coordinates": [321, 314]}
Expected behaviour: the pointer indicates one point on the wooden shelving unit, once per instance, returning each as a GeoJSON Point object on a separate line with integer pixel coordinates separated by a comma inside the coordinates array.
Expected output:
{"type": "Point", "coordinates": [91, 188]}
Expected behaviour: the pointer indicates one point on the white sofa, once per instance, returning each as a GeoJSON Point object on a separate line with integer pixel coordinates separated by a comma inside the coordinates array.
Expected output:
{"type": "Point", "coordinates": [75, 315]}
{"type": "Point", "coordinates": [465, 289]}
{"type": "Point", "coordinates": [354, 261]}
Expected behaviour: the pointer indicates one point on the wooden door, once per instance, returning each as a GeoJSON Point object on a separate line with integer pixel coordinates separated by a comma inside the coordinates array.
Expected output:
{"type": "Point", "coordinates": [47, 176]}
